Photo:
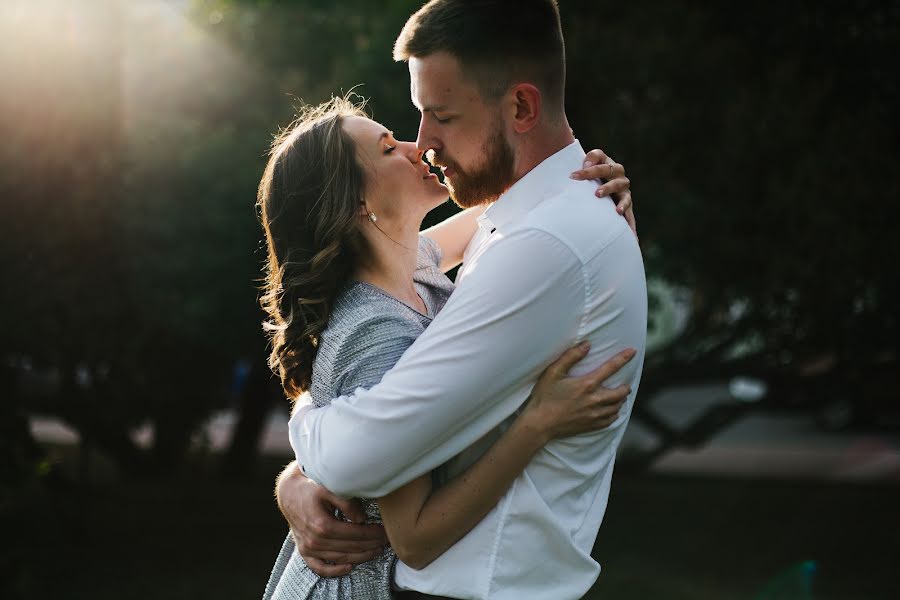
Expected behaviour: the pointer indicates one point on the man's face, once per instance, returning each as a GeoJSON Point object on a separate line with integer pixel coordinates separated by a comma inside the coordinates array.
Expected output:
{"type": "Point", "coordinates": [462, 133]}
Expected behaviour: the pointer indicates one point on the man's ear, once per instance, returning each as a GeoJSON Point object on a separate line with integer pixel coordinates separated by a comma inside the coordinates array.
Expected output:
{"type": "Point", "coordinates": [525, 99]}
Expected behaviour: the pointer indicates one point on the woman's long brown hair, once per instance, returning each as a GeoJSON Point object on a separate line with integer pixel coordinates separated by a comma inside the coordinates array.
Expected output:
{"type": "Point", "coordinates": [309, 204]}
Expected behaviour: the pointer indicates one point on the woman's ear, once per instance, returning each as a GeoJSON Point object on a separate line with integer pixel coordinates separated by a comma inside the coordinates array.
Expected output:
{"type": "Point", "coordinates": [366, 213]}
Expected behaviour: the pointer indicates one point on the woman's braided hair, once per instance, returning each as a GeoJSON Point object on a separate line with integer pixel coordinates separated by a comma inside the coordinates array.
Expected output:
{"type": "Point", "coordinates": [309, 202]}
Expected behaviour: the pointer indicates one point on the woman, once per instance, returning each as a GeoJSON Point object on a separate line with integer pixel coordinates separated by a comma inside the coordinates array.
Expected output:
{"type": "Point", "coordinates": [350, 285]}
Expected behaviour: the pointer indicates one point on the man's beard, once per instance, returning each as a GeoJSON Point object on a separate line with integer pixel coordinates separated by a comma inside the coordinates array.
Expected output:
{"type": "Point", "coordinates": [486, 182]}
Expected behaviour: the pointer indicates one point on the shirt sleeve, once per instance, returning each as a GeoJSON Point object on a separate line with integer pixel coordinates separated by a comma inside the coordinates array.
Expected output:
{"type": "Point", "coordinates": [517, 309]}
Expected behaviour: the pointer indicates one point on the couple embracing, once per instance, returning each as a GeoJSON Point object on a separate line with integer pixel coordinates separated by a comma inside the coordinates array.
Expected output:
{"type": "Point", "coordinates": [458, 441]}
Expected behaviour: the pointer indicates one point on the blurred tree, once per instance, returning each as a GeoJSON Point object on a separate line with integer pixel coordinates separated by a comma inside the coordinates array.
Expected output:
{"type": "Point", "coordinates": [129, 234]}
{"type": "Point", "coordinates": [60, 181]}
{"type": "Point", "coordinates": [760, 140]}
{"type": "Point", "coordinates": [760, 147]}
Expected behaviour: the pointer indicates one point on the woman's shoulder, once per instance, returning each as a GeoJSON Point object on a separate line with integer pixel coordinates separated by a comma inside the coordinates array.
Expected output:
{"type": "Point", "coordinates": [364, 318]}
{"type": "Point", "coordinates": [429, 253]}
{"type": "Point", "coordinates": [438, 286]}
{"type": "Point", "coordinates": [360, 307]}
{"type": "Point", "coordinates": [366, 335]}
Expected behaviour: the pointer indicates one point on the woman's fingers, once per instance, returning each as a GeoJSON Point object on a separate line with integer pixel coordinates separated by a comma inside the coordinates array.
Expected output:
{"type": "Point", "coordinates": [595, 157]}
{"type": "Point", "coordinates": [562, 365]}
{"type": "Point", "coordinates": [594, 166]}
{"type": "Point", "coordinates": [629, 218]}
{"type": "Point", "coordinates": [614, 187]}
{"type": "Point", "coordinates": [597, 415]}
{"type": "Point", "coordinates": [604, 423]}
{"type": "Point", "coordinates": [573, 405]}
{"type": "Point", "coordinates": [625, 208]}
{"type": "Point", "coordinates": [608, 171]}
{"type": "Point", "coordinates": [612, 397]}
{"type": "Point", "coordinates": [607, 411]}
{"type": "Point", "coordinates": [599, 167]}
{"type": "Point", "coordinates": [607, 369]}
{"type": "Point", "coordinates": [323, 569]}
{"type": "Point", "coordinates": [614, 170]}
{"type": "Point", "coordinates": [623, 202]}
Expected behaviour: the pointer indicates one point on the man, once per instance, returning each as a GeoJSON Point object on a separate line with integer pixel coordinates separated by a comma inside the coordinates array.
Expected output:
{"type": "Point", "coordinates": [549, 266]}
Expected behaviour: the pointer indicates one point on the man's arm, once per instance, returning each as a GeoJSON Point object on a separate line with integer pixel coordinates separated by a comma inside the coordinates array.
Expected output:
{"type": "Point", "coordinates": [328, 545]}
{"type": "Point", "coordinates": [423, 523]}
{"type": "Point", "coordinates": [518, 307]}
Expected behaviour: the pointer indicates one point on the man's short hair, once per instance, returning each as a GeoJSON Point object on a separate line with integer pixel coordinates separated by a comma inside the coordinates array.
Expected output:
{"type": "Point", "coordinates": [497, 42]}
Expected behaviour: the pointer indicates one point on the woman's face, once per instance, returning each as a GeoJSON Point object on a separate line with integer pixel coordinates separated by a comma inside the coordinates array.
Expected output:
{"type": "Point", "coordinates": [400, 188]}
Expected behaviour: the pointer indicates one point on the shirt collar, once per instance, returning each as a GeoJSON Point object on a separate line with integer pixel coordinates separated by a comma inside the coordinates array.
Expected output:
{"type": "Point", "coordinates": [548, 177]}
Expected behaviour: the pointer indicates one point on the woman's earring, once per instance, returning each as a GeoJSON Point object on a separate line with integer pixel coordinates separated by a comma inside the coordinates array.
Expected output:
{"type": "Point", "coordinates": [372, 217]}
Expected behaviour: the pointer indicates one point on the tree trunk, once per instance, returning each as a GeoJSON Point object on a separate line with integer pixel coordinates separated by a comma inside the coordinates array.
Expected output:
{"type": "Point", "coordinates": [255, 402]}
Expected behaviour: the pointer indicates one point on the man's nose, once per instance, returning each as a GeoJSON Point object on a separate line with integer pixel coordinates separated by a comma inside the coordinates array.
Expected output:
{"type": "Point", "coordinates": [425, 140]}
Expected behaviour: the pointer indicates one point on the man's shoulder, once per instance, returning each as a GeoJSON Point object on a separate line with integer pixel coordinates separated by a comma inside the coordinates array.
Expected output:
{"type": "Point", "coordinates": [578, 218]}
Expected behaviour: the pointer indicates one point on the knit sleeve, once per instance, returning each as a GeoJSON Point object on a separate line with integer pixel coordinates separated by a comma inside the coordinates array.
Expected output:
{"type": "Point", "coordinates": [370, 349]}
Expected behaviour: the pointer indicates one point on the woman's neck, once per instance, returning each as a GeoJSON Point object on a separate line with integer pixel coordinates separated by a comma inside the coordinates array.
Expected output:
{"type": "Point", "coordinates": [391, 264]}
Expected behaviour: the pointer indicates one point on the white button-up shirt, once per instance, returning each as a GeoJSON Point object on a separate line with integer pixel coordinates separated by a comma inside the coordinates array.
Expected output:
{"type": "Point", "coordinates": [550, 265]}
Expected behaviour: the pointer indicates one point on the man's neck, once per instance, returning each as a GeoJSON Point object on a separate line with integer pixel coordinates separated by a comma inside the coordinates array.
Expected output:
{"type": "Point", "coordinates": [542, 143]}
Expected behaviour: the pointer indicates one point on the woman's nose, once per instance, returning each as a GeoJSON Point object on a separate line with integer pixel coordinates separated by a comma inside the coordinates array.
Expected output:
{"type": "Point", "coordinates": [415, 155]}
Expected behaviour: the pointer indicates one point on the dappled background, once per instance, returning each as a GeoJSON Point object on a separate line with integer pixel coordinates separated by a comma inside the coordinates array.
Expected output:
{"type": "Point", "coordinates": [141, 428]}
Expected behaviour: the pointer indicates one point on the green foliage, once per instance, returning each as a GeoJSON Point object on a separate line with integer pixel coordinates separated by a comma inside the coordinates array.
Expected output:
{"type": "Point", "coordinates": [760, 140]}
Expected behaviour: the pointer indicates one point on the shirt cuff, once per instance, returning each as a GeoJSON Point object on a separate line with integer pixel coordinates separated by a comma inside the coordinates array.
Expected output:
{"type": "Point", "coordinates": [295, 426]}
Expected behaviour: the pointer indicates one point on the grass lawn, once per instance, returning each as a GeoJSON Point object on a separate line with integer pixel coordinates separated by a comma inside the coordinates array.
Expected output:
{"type": "Point", "coordinates": [197, 536]}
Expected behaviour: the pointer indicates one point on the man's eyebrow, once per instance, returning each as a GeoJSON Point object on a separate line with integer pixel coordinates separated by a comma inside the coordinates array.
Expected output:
{"type": "Point", "coordinates": [433, 109]}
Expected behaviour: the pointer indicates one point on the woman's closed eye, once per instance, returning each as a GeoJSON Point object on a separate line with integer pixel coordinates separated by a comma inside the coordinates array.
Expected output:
{"type": "Point", "coordinates": [389, 149]}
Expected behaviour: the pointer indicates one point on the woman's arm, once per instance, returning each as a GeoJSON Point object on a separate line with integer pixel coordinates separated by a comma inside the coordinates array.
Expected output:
{"type": "Point", "coordinates": [422, 525]}
{"type": "Point", "coordinates": [453, 235]}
